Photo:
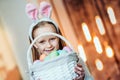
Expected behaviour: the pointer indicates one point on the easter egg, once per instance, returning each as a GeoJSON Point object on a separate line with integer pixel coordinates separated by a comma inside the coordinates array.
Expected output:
{"type": "Point", "coordinates": [53, 54]}
{"type": "Point", "coordinates": [62, 52]}
{"type": "Point", "coordinates": [47, 58]}
{"type": "Point", "coordinates": [42, 57]}
{"type": "Point", "coordinates": [68, 49]}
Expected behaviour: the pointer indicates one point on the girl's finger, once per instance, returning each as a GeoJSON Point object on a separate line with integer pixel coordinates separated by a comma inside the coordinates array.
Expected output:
{"type": "Point", "coordinates": [79, 69]}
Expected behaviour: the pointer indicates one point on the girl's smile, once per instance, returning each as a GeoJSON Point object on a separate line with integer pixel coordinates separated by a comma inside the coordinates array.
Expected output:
{"type": "Point", "coordinates": [49, 51]}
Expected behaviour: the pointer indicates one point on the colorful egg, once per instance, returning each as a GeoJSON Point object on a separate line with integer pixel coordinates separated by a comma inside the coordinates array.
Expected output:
{"type": "Point", "coordinates": [42, 57]}
{"type": "Point", "coordinates": [68, 49]}
{"type": "Point", "coordinates": [47, 58]}
{"type": "Point", "coordinates": [62, 52]}
{"type": "Point", "coordinates": [53, 54]}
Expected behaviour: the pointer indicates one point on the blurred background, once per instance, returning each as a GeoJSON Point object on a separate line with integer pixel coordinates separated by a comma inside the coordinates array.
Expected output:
{"type": "Point", "coordinates": [91, 26]}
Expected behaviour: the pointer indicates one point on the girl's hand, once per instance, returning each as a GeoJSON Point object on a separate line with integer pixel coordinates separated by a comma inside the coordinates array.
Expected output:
{"type": "Point", "coordinates": [79, 70]}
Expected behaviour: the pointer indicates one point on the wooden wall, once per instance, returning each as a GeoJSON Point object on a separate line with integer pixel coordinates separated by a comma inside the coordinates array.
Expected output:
{"type": "Point", "coordinates": [85, 11]}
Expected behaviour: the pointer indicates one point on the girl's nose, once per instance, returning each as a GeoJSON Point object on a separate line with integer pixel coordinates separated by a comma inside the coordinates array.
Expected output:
{"type": "Point", "coordinates": [48, 44]}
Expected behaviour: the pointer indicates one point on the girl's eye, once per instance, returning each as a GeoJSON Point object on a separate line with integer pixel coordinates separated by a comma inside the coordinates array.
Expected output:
{"type": "Point", "coordinates": [42, 41]}
{"type": "Point", "coordinates": [52, 38]}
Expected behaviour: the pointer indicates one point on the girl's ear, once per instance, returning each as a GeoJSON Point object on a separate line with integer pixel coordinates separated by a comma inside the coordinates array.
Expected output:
{"type": "Point", "coordinates": [32, 11]}
{"type": "Point", "coordinates": [45, 9]}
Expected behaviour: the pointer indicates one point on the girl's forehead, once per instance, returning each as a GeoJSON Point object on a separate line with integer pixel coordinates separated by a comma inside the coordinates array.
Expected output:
{"type": "Point", "coordinates": [46, 37]}
{"type": "Point", "coordinates": [44, 29]}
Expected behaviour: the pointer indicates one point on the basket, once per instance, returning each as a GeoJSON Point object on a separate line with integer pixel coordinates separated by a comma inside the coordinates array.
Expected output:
{"type": "Point", "coordinates": [58, 68]}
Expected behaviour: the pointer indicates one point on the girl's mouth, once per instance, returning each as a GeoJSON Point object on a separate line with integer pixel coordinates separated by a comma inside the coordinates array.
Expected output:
{"type": "Point", "coordinates": [49, 51]}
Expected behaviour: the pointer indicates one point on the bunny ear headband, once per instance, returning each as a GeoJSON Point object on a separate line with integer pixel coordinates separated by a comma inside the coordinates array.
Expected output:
{"type": "Point", "coordinates": [44, 11]}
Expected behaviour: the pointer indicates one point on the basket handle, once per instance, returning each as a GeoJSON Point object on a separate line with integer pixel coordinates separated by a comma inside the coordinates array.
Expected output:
{"type": "Point", "coordinates": [29, 55]}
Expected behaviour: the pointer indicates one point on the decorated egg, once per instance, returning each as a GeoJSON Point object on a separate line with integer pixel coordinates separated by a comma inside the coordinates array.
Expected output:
{"type": "Point", "coordinates": [68, 49]}
{"type": "Point", "coordinates": [53, 54]}
{"type": "Point", "coordinates": [42, 57]}
{"type": "Point", "coordinates": [47, 58]}
{"type": "Point", "coordinates": [62, 52]}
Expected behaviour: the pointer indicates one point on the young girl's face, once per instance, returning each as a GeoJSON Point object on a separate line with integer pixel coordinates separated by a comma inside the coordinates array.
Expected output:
{"type": "Point", "coordinates": [46, 44]}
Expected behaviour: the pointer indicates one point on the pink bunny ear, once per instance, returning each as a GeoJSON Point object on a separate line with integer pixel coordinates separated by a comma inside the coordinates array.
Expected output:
{"type": "Point", "coordinates": [45, 9]}
{"type": "Point", "coordinates": [32, 11]}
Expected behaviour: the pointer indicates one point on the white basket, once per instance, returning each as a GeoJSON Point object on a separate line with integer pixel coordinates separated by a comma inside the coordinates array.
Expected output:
{"type": "Point", "coordinates": [59, 68]}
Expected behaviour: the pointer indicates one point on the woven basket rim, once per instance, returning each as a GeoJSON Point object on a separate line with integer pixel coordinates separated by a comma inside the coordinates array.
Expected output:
{"type": "Point", "coordinates": [73, 54]}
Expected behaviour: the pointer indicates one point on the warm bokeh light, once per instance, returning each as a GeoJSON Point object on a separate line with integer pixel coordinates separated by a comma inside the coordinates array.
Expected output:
{"type": "Point", "coordinates": [99, 64]}
{"type": "Point", "coordinates": [86, 32]}
{"type": "Point", "coordinates": [111, 15]}
{"type": "Point", "coordinates": [97, 44]}
{"type": "Point", "coordinates": [82, 53]}
{"type": "Point", "coordinates": [7, 61]}
{"type": "Point", "coordinates": [109, 51]}
{"type": "Point", "coordinates": [100, 25]}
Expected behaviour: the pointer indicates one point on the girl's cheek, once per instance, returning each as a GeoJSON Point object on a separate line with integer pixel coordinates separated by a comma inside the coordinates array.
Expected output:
{"type": "Point", "coordinates": [56, 44]}
{"type": "Point", "coordinates": [41, 47]}
{"type": "Point", "coordinates": [41, 44]}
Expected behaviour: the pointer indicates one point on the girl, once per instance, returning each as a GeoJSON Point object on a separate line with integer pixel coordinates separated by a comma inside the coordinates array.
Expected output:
{"type": "Point", "coordinates": [47, 44]}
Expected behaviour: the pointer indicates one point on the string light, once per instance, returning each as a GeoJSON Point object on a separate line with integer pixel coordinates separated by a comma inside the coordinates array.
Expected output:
{"type": "Point", "coordinates": [97, 44]}
{"type": "Point", "coordinates": [99, 64]}
{"type": "Point", "coordinates": [109, 51]}
{"type": "Point", "coordinates": [86, 32]}
{"type": "Point", "coordinates": [111, 15]}
{"type": "Point", "coordinates": [82, 53]}
{"type": "Point", "coordinates": [100, 25]}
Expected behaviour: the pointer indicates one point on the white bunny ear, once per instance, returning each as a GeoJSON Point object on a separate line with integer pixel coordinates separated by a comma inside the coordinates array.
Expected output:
{"type": "Point", "coordinates": [32, 11]}
{"type": "Point", "coordinates": [45, 9]}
